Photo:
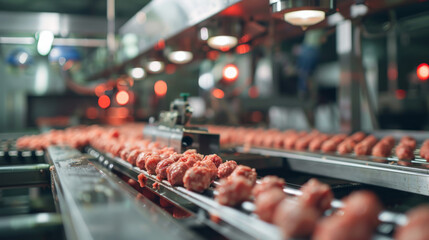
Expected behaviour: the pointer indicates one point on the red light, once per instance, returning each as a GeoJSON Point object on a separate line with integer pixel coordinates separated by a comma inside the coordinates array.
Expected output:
{"type": "Point", "coordinates": [244, 38]}
{"type": "Point", "coordinates": [224, 49]}
{"type": "Point", "coordinates": [99, 90]}
{"type": "Point", "coordinates": [160, 88]}
{"type": "Point", "coordinates": [160, 45]}
{"type": "Point", "coordinates": [213, 55]}
{"type": "Point", "coordinates": [230, 72]}
{"type": "Point", "coordinates": [91, 113]}
{"type": "Point", "coordinates": [423, 72]}
{"type": "Point", "coordinates": [122, 97]}
{"type": "Point", "coordinates": [400, 94]}
{"type": "Point", "coordinates": [234, 10]}
{"type": "Point", "coordinates": [242, 49]}
{"type": "Point", "coordinates": [218, 93]}
{"type": "Point", "coordinates": [170, 69]}
{"type": "Point", "coordinates": [104, 101]}
{"type": "Point", "coordinates": [253, 92]}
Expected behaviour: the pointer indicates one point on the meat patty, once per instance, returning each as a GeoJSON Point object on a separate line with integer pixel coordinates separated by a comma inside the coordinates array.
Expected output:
{"type": "Point", "coordinates": [225, 169]}
{"type": "Point", "coordinates": [151, 163]}
{"type": "Point", "coordinates": [211, 167]}
{"type": "Point", "coordinates": [382, 149]}
{"type": "Point", "coordinates": [317, 142]}
{"type": "Point", "coordinates": [197, 179]}
{"type": "Point", "coordinates": [316, 195]}
{"type": "Point", "coordinates": [191, 158]}
{"type": "Point", "coordinates": [245, 171]}
{"type": "Point", "coordinates": [141, 160]}
{"type": "Point", "coordinates": [233, 191]}
{"type": "Point", "coordinates": [176, 172]}
{"type": "Point", "coordinates": [404, 152]}
{"type": "Point", "coordinates": [266, 203]}
{"type": "Point", "coordinates": [132, 156]}
{"type": "Point", "coordinates": [161, 168]}
{"type": "Point", "coordinates": [357, 136]}
{"type": "Point", "coordinates": [267, 183]}
{"type": "Point", "coordinates": [341, 228]}
{"type": "Point", "coordinates": [408, 141]}
{"type": "Point", "coordinates": [416, 228]}
{"type": "Point", "coordinates": [389, 140]}
{"type": "Point", "coordinates": [294, 219]}
{"type": "Point", "coordinates": [363, 206]}
{"type": "Point", "coordinates": [329, 146]}
{"type": "Point", "coordinates": [346, 146]}
{"type": "Point", "coordinates": [214, 158]}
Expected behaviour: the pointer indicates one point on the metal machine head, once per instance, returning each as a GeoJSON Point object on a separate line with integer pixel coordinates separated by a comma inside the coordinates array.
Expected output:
{"type": "Point", "coordinates": [173, 130]}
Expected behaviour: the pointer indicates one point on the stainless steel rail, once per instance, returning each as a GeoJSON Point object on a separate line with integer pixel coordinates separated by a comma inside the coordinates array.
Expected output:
{"type": "Point", "coordinates": [234, 224]}
{"type": "Point", "coordinates": [384, 172]}
{"type": "Point", "coordinates": [237, 218]}
{"type": "Point", "coordinates": [95, 205]}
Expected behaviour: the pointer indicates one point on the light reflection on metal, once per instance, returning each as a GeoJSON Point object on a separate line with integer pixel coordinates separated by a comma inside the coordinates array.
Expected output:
{"type": "Point", "coordinates": [17, 40]}
{"type": "Point", "coordinates": [81, 42]}
{"type": "Point", "coordinates": [111, 45]}
{"type": "Point", "coordinates": [41, 79]}
{"type": "Point", "coordinates": [162, 14]}
{"type": "Point", "coordinates": [44, 43]}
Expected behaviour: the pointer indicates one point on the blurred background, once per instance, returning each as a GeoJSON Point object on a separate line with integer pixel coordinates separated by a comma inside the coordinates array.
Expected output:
{"type": "Point", "coordinates": [364, 66]}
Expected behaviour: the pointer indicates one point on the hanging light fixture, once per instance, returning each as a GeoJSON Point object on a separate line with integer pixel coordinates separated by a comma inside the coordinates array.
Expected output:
{"type": "Point", "coordinates": [224, 35]}
{"type": "Point", "coordinates": [303, 13]}
{"type": "Point", "coordinates": [180, 53]}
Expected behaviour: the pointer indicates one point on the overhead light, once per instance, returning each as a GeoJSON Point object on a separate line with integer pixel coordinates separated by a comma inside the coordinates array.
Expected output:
{"type": "Point", "coordinates": [222, 42]}
{"type": "Point", "coordinates": [180, 57]}
{"type": "Point", "coordinates": [223, 34]}
{"type": "Point", "coordinates": [303, 13]}
{"type": "Point", "coordinates": [304, 18]}
{"type": "Point", "coordinates": [137, 73]}
{"type": "Point", "coordinates": [155, 66]}
{"type": "Point", "coordinates": [44, 44]}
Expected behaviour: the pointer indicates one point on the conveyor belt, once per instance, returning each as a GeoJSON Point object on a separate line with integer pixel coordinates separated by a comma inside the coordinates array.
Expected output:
{"type": "Point", "coordinates": [384, 172]}
{"type": "Point", "coordinates": [238, 221]}
{"type": "Point", "coordinates": [235, 223]}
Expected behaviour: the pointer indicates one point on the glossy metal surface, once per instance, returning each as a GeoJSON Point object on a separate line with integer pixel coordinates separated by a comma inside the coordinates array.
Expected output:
{"type": "Point", "coordinates": [63, 24]}
{"type": "Point", "coordinates": [384, 172]}
{"type": "Point", "coordinates": [162, 19]}
{"type": "Point", "coordinates": [234, 224]}
{"type": "Point", "coordinates": [25, 175]}
{"type": "Point", "coordinates": [98, 206]}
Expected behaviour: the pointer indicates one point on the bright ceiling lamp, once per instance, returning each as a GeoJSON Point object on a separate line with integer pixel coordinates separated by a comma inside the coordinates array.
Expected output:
{"type": "Point", "coordinates": [304, 17]}
{"type": "Point", "coordinates": [222, 42]}
{"type": "Point", "coordinates": [303, 13]}
{"type": "Point", "coordinates": [137, 73]}
{"type": "Point", "coordinates": [44, 43]}
{"type": "Point", "coordinates": [222, 35]}
{"type": "Point", "coordinates": [155, 66]}
{"type": "Point", "coordinates": [180, 57]}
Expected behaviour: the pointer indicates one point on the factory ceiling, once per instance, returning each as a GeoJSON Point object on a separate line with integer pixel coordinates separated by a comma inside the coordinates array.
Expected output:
{"type": "Point", "coordinates": [125, 9]}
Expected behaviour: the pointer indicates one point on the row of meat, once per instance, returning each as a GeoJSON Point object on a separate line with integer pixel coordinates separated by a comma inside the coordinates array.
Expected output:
{"type": "Point", "coordinates": [358, 143]}
{"type": "Point", "coordinates": [300, 216]}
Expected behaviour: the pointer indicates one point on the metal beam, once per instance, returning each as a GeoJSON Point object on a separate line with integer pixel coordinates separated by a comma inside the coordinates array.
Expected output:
{"type": "Point", "coordinates": [59, 24]}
